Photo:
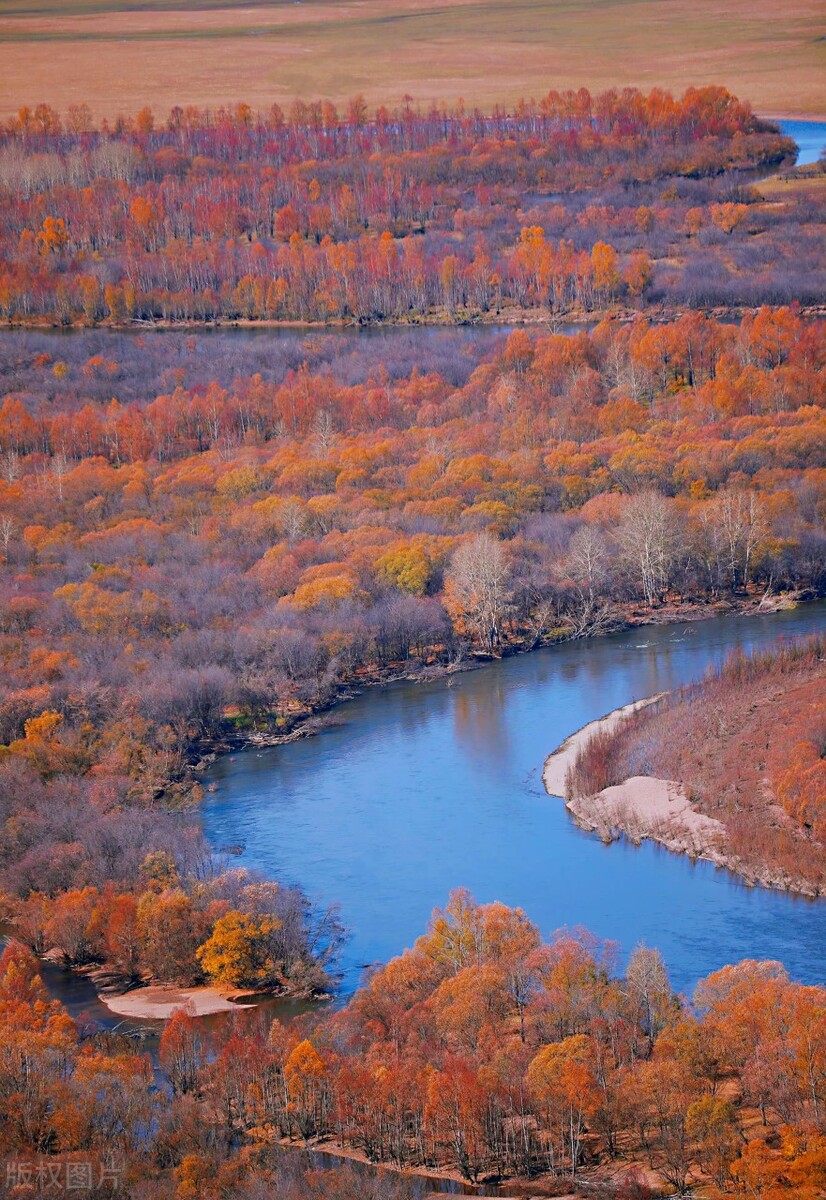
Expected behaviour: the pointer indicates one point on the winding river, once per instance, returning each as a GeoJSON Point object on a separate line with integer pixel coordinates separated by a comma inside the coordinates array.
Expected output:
{"type": "Point", "coordinates": [420, 788]}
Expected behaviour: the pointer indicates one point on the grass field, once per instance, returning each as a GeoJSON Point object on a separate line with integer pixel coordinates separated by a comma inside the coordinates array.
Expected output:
{"type": "Point", "coordinates": [778, 187]}
{"type": "Point", "coordinates": [118, 58]}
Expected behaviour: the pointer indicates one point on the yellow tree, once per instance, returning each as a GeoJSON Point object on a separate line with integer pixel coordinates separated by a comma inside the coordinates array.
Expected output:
{"type": "Point", "coordinates": [53, 236]}
{"type": "Point", "coordinates": [406, 567]}
{"type": "Point", "coordinates": [562, 1081]}
{"type": "Point", "coordinates": [606, 270]}
{"type": "Point", "coordinates": [308, 1100]}
{"type": "Point", "coordinates": [240, 951]}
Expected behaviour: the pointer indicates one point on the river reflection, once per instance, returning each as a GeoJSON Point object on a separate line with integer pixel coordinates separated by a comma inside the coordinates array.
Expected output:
{"type": "Point", "coordinates": [422, 788]}
{"type": "Point", "coordinates": [479, 729]}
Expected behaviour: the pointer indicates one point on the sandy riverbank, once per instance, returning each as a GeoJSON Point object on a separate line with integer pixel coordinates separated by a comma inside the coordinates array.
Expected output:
{"type": "Point", "coordinates": [558, 763]}
{"type": "Point", "coordinates": [640, 807]}
{"type": "Point", "coordinates": [644, 807]}
{"type": "Point", "coordinates": [157, 1003]}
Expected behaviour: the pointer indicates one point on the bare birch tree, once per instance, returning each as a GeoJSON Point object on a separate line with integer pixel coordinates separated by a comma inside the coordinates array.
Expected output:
{"type": "Point", "coordinates": [477, 588]}
{"type": "Point", "coordinates": [649, 543]}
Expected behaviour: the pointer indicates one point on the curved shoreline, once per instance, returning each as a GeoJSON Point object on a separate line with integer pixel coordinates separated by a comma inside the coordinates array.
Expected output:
{"type": "Point", "coordinates": [316, 719]}
{"type": "Point", "coordinates": [641, 807]}
{"type": "Point", "coordinates": [644, 808]}
{"type": "Point", "coordinates": [203, 755]}
{"type": "Point", "coordinates": [158, 1003]}
{"type": "Point", "coordinates": [557, 763]}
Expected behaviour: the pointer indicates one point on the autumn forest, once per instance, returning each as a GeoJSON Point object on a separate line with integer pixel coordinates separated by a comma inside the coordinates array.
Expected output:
{"type": "Point", "coordinates": [297, 403]}
{"type": "Point", "coordinates": [569, 205]}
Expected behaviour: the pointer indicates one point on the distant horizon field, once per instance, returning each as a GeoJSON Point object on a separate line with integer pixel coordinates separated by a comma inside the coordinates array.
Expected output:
{"type": "Point", "coordinates": [118, 58]}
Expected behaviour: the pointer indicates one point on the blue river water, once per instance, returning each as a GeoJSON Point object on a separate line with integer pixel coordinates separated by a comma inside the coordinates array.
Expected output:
{"type": "Point", "coordinates": [810, 137]}
{"type": "Point", "coordinates": [420, 788]}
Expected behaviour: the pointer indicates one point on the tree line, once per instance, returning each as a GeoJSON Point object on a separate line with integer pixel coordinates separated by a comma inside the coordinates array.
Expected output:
{"type": "Point", "coordinates": [484, 1050]}
{"type": "Point", "coordinates": [575, 204]}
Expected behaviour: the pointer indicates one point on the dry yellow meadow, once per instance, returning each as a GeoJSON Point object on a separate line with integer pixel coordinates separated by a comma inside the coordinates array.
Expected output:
{"type": "Point", "coordinates": [163, 53]}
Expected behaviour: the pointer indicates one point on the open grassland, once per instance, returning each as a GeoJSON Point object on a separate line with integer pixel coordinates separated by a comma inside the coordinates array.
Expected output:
{"type": "Point", "coordinates": [163, 53]}
{"type": "Point", "coordinates": [802, 182]}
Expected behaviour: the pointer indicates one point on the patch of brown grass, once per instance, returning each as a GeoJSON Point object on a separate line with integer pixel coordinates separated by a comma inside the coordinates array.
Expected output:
{"type": "Point", "coordinates": [481, 50]}
{"type": "Point", "coordinates": [782, 186]}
